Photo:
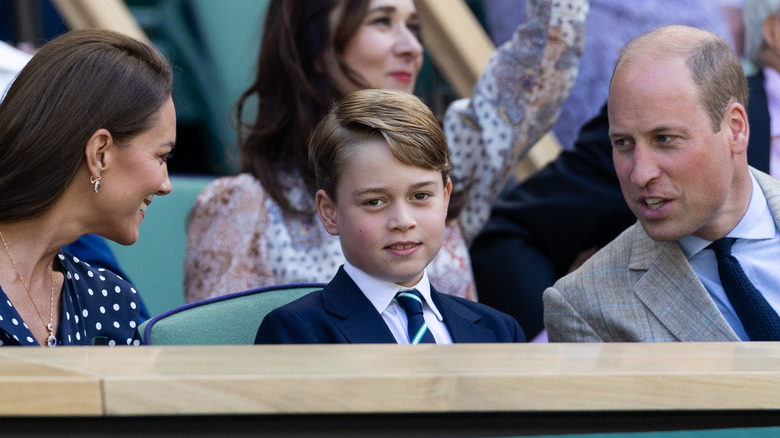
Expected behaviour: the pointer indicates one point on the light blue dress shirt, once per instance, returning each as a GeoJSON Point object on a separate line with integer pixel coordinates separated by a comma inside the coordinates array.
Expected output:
{"type": "Point", "coordinates": [757, 250]}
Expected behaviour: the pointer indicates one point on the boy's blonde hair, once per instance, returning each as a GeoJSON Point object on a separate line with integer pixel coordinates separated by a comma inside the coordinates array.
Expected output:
{"type": "Point", "coordinates": [399, 119]}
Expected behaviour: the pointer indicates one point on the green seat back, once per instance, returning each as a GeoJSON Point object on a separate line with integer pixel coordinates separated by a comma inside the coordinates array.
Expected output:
{"type": "Point", "coordinates": [154, 263]}
{"type": "Point", "coordinates": [226, 320]}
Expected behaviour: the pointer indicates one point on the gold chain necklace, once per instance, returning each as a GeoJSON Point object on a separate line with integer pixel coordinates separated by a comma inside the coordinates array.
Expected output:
{"type": "Point", "coordinates": [51, 340]}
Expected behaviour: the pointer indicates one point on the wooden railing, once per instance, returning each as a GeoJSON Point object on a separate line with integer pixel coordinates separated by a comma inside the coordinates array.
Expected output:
{"type": "Point", "coordinates": [484, 389]}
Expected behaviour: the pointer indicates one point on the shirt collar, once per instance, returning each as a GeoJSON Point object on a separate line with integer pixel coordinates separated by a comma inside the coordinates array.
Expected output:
{"type": "Point", "coordinates": [757, 223]}
{"type": "Point", "coordinates": [382, 293]}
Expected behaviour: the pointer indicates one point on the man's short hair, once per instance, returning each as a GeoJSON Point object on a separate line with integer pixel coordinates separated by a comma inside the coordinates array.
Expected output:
{"type": "Point", "coordinates": [716, 71]}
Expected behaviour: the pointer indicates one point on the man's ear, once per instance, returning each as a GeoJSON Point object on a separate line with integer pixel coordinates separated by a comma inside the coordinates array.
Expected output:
{"type": "Point", "coordinates": [737, 123]}
{"type": "Point", "coordinates": [98, 152]}
{"type": "Point", "coordinates": [326, 209]}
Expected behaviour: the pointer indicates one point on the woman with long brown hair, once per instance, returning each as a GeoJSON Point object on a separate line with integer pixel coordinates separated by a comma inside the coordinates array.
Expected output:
{"type": "Point", "coordinates": [85, 132]}
{"type": "Point", "coordinates": [260, 227]}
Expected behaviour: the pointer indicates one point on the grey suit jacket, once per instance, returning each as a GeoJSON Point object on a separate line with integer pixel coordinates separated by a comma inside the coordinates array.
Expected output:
{"type": "Point", "coordinates": [636, 289]}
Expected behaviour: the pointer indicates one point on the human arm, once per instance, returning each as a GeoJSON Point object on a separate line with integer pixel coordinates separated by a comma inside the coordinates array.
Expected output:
{"type": "Point", "coordinates": [226, 241]}
{"type": "Point", "coordinates": [285, 326]}
{"type": "Point", "coordinates": [563, 322]}
{"type": "Point", "coordinates": [518, 335]}
{"type": "Point", "coordinates": [514, 103]}
{"type": "Point", "coordinates": [538, 229]}
{"type": "Point", "coordinates": [570, 205]}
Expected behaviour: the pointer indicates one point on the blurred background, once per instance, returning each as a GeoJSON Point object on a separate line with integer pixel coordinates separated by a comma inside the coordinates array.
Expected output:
{"type": "Point", "coordinates": [213, 46]}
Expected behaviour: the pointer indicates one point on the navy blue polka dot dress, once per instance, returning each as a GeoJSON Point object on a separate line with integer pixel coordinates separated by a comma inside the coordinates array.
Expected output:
{"type": "Point", "coordinates": [97, 307]}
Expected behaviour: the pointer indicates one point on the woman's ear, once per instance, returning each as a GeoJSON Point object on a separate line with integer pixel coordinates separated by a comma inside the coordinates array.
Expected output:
{"type": "Point", "coordinates": [326, 209]}
{"type": "Point", "coordinates": [98, 152]}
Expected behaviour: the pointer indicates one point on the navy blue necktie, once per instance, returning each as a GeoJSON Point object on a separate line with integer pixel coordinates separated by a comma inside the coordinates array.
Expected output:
{"type": "Point", "coordinates": [411, 302]}
{"type": "Point", "coordinates": [759, 319]}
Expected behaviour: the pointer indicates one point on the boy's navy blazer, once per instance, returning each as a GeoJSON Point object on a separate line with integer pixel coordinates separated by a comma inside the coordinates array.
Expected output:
{"type": "Point", "coordinates": [341, 314]}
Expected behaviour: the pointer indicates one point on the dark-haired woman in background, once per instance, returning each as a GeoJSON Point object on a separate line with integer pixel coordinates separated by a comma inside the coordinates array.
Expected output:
{"type": "Point", "coordinates": [260, 228]}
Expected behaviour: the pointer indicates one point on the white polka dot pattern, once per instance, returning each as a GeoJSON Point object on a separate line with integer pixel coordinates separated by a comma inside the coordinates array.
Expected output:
{"type": "Point", "coordinates": [84, 317]}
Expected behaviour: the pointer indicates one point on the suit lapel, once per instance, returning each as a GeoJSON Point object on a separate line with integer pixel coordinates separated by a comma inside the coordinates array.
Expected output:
{"type": "Point", "coordinates": [358, 319]}
{"type": "Point", "coordinates": [461, 321]}
{"type": "Point", "coordinates": [673, 293]}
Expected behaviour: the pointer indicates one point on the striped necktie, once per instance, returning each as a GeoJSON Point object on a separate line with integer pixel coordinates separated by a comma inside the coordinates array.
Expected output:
{"type": "Point", "coordinates": [411, 302]}
{"type": "Point", "coordinates": [759, 319]}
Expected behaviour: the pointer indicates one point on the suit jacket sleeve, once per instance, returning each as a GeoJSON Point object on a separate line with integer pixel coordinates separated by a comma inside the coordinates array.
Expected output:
{"type": "Point", "coordinates": [470, 322]}
{"type": "Point", "coordinates": [563, 322]}
{"type": "Point", "coordinates": [514, 333]}
{"type": "Point", "coordinates": [518, 335]}
{"type": "Point", "coordinates": [285, 326]}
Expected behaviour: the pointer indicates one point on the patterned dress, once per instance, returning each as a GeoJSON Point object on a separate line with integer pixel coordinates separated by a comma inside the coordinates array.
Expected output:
{"type": "Point", "coordinates": [97, 307]}
{"type": "Point", "coordinates": [239, 238]}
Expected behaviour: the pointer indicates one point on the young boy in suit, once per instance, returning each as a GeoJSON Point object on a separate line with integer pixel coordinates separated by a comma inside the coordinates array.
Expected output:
{"type": "Point", "coordinates": [382, 167]}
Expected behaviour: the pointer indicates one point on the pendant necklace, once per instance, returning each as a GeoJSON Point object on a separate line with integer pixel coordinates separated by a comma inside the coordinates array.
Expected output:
{"type": "Point", "coordinates": [51, 340]}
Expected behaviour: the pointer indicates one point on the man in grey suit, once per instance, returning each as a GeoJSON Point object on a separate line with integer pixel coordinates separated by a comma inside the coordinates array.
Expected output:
{"type": "Point", "coordinates": [679, 131]}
